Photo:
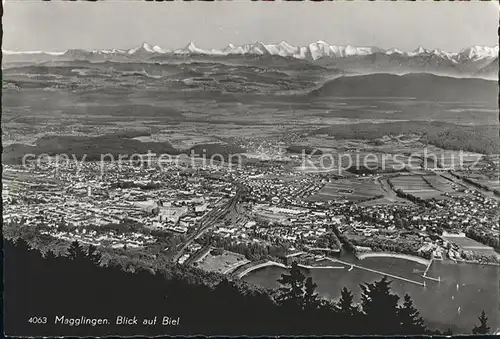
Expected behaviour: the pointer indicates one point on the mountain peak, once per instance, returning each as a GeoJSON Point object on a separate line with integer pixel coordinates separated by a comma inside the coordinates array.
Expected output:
{"type": "Point", "coordinates": [479, 52]}
{"type": "Point", "coordinates": [420, 50]}
{"type": "Point", "coordinates": [229, 49]}
{"type": "Point", "coordinates": [259, 44]}
{"type": "Point", "coordinates": [191, 48]}
{"type": "Point", "coordinates": [144, 47]}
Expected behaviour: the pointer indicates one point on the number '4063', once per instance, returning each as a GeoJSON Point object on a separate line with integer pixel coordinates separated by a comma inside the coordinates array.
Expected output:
{"type": "Point", "coordinates": [38, 320]}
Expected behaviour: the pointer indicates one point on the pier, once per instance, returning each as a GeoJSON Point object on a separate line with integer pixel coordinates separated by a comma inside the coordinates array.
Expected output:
{"type": "Point", "coordinates": [427, 269]}
{"type": "Point", "coordinates": [379, 272]}
{"type": "Point", "coordinates": [346, 264]}
{"type": "Point", "coordinates": [331, 267]}
{"type": "Point", "coordinates": [425, 276]}
{"type": "Point", "coordinates": [431, 278]}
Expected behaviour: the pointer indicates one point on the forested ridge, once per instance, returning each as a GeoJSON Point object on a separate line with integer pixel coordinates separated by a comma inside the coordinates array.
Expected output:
{"type": "Point", "coordinates": [77, 285]}
{"type": "Point", "coordinates": [472, 138]}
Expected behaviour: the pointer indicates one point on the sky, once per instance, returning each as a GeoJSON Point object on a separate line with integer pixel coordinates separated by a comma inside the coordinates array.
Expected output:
{"type": "Point", "coordinates": [57, 26]}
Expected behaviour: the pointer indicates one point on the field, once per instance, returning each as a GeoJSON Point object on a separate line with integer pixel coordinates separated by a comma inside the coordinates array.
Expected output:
{"type": "Point", "coordinates": [192, 103]}
{"type": "Point", "coordinates": [483, 180]}
{"type": "Point", "coordinates": [469, 244]}
{"type": "Point", "coordinates": [384, 201]}
{"type": "Point", "coordinates": [415, 185]}
{"type": "Point", "coordinates": [223, 263]}
{"type": "Point", "coordinates": [21, 178]}
{"type": "Point", "coordinates": [439, 183]}
{"type": "Point", "coordinates": [351, 190]}
{"type": "Point", "coordinates": [438, 157]}
{"type": "Point", "coordinates": [362, 158]}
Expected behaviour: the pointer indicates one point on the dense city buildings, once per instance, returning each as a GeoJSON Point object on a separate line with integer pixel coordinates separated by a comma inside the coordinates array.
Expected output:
{"type": "Point", "coordinates": [269, 204]}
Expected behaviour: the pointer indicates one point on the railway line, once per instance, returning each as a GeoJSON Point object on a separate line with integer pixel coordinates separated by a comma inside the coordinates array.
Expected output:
{"type": "Point", "coordinates": [210, 218]}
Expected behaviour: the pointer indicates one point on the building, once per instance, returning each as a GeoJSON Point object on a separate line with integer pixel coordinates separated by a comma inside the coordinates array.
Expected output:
{"type": "Point", "coordinates": [201, 208]}
{"type": "Point", "coordinates": [171, 214]}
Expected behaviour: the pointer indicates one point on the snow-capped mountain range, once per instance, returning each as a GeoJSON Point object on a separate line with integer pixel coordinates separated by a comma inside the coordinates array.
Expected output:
{"type": "Point", "coordinates": [475, 60]}
{"type": "Point", "coordinates": [313, 51]}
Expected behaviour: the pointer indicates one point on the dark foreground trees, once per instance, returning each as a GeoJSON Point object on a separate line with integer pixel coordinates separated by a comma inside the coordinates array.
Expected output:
{"type": "Point", "coordinates": [379, 313]}
{"type": "Point", "coordinates": [483, 327]}
{"type": "Point", "coordinates": [77, 285]}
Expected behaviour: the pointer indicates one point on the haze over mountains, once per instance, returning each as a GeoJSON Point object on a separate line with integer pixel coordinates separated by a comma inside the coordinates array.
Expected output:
{"type": "Point", "coordinates": [476, 61]}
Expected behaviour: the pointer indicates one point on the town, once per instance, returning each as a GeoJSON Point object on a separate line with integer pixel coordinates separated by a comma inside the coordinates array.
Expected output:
{"type": "Point", "coordinates": [219, 217]}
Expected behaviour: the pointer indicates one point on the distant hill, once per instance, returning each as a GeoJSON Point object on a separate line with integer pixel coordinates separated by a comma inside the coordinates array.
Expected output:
{"type": "Point", "coordinates": [217, 152]}
{"type": "Point", "coordinates": [490, 71]}
{"type": "Point", "coordinates": [420, 86]}
{"type": "Point", "coordinates": [87, 148]}
{"type": "Point", "coordinates": [479, 138]}
{"type": "Point", "coordinates": [381, 62]}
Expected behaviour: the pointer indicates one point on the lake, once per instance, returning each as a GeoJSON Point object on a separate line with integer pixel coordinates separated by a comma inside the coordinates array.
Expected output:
{"type": "Point", "coordinates": [456, 301]}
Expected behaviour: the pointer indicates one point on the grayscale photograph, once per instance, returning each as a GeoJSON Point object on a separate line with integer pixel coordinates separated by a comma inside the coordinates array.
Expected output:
{"type": "Point", "coordinates": [247, 168]}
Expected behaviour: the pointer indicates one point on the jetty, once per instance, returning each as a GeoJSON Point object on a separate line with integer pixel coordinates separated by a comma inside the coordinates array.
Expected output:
{"type": "Point", "coordinates": [344, 263]}
{"type": "Point", "coordinates": [425, 276]}
{"type": "Point", "coordinates": [427, 268]}
{"type": "Point", "coordinates": [331, 267]}
{"type": "Point", "coordinates": [379, 272]}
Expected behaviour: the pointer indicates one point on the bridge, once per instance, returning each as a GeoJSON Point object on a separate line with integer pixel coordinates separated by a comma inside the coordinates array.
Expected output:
{"type": "Point", "coordinates": [413, 258]}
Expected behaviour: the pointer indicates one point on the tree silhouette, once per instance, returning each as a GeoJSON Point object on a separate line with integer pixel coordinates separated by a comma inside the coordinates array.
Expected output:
{"type": "Point", "coordinates": [345, 303]}
{"type": "Point", "coordinates": [348, 313]}
{"type": "Point", "coordinates": [380, 308]}
{"type": "Point", "coordinates": [93, 256]}
{"type": "Point", "coordinates": [291, 293]}
{"type": "Point", "coordinates": [410, 319]}
{"type": "Point", "coordinates": [298, 301]}
{"type": "Point", "coordinates": [77, 282]}
{"type": "Point", "coordinates": [76, 251]}
{"type": "Point", "coordinates": [483, 327]}
{"type": "Point", "coordinates": [311, 299]}
{"type": "Point", "coordinates": [50, 255]}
